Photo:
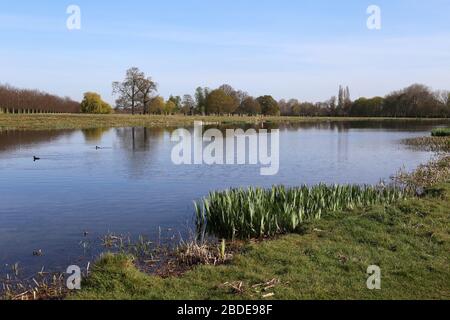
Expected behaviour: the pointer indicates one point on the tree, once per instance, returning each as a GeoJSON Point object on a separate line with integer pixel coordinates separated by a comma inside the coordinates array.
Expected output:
{"type": "Point", "coordinates": [218, 102]}
{"type": "Point", "coordinates": [201, 94]}
{"type": "Point", "coordinates": [414, 101]}
{"type": "Point", "coordinates": [177, 101]}
{"type": "Point", "coordinates": [347, 97]}
{"type": "Point", "coordinates": [93, 103]}
{"type": "Point", "coordinates": [285, 108]}
{"type": "Point", "coordinates": [241, 96]}
{"type": "Point", "coordinates": [128, 90]}
{"type": "Point", "coordinates": [146, 87]}
{"type": "Point", "coordinates": [269, 106]}
{"type": "Point", "coordinates": [364, 107]}
{"type": "Point", "coordinates": [170, 107]}
{"type": "Point", "coordinates": [341, 98]}
{"type": "Point", "coordinates": [292, 104]}
{"type": "Point", "coordinates": [237, 96]}
{"type": "Point", "coordinates": [187, 105]}
{"type": "Point", "coordinates": [227, 89]}
{"type": "Point", "coordinates": [443, 96]}
{"type": "Point", "coordinates": [347, 101]}
{"type": "Point", "coordinates": [250, 106]}
{"type": "Point", "coordinates": [332, 106]}
{"type": "Point", "coordinates": [157, 105]}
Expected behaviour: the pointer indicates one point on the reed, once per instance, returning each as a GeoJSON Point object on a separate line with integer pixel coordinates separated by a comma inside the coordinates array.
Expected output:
{"type": "Point", "coordinates": [257, 213]}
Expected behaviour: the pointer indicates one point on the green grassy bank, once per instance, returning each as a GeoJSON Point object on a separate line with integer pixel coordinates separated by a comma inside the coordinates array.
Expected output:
{"type": "Point", "coordinates": [409, 240]}
{"type": "Point", "coordinates": [81, 121]}
{"type": "Point", "coordinates": [442, 132]}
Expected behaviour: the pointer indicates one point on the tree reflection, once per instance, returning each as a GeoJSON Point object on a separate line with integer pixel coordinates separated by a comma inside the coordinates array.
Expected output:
{"type": "Point", "coordinates": [94, 135]}
{"type": "Point", "coordinates": [13, 140]}
{"type": "Point", "coordinates": [142, 146]}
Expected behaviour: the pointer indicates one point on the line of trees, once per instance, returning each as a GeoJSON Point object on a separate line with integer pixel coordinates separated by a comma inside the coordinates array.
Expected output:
{"type": "Point", "coordinates": [14, 100]}
{"type": "Point", "coordinates": [138, 94]}
{"type": "Point", "coordinates": [415, 101]}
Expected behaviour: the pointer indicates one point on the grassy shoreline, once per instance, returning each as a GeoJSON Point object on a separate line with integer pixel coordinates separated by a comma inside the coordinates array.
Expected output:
{"type": "Point", "coordinates": [408, 239]}
{"type": "Point", "coordinates": [82, 121]}
{"type": "Point", "coordinates": [328, 260]}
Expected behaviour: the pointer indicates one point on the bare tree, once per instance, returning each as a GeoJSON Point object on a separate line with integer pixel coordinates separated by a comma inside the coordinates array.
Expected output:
{"type": "Point", "coordinates": [188, 104]}
{"type": "Point", "coordinates": [146, 87]}
{"type": "Point", "coordinates": [128, 90]}
{"type": "Point", "coordinates": [443, 96]}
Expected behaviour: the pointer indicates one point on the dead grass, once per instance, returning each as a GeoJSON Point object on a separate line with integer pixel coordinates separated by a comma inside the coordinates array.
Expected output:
{"type": "Point", "coordinates": [193, 253]}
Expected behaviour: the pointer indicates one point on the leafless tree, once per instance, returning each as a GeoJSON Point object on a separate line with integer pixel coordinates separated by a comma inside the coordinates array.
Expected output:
{"type": "Point", "coordinates": [128, 90]}
{"type": "Point", "coordinates": [188, 104]}
{"type": "Point", "coordinates": [146, 87]}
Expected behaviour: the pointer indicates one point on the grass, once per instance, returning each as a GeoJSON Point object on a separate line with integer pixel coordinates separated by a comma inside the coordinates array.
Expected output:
{"type": "Point", "coordinates": [409, 240]}
{"type": "Point", "coordinates": [80, 121]}
{"type": "Point", "coordinates": [442, 132]}
{"type": "Point", "coordinates": [257, 213]}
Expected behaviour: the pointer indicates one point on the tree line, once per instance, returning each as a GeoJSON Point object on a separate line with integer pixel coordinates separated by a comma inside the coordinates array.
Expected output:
{"type": "Point", "coordinates": [415, 101]}
{"type": "Point", "coordinates": [15, 100]}
{"type": "Point", "coordinates": [138, 94]}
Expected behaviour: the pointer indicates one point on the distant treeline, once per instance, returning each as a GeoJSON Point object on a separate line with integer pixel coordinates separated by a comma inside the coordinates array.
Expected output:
{"type": "Point", "coordinates": [415, 101]}
{"type": "Point", "coordinates": [137, 93]}
{"type": "Point", "coordinates": [14, 100]}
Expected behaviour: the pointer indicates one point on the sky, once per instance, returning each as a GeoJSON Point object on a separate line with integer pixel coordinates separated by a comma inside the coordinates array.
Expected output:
{"type": "Point", "coordinates": [301, 49]}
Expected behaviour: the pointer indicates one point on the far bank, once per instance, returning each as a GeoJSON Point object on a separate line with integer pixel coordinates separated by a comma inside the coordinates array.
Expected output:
{"type": "Point", "coordinates": [88, 121]}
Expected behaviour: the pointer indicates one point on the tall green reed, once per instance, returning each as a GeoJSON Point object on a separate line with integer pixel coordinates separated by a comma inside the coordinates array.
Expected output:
{"type": "Point", "coordinates": [257, 212]}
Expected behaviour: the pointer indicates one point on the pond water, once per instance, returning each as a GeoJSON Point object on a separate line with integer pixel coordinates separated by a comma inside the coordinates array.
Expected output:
{"type": "Point", "coordinates": [131, 186]}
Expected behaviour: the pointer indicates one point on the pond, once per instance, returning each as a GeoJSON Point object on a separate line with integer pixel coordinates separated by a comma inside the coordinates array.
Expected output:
{"type": "Point", "coordinates": [75, 194]}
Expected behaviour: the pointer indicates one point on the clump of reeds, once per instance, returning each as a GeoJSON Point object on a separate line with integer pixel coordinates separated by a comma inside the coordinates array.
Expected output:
{"type": "Point", "coordinates": [441, 132]}
{"type": "Point", "coordinates": [257, 213]}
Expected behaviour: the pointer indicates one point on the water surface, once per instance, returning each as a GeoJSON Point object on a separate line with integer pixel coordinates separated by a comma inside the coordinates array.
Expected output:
{"type": "Point", "coordinates": [131, 186]}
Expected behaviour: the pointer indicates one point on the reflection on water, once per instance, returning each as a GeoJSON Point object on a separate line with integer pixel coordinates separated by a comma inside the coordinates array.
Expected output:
{"type": "Point", "coordinates": [94, 135]}
{"type": "Point", "coordinates": [12, 140]}
{"type": "Point", "coordinates": [130, 185]}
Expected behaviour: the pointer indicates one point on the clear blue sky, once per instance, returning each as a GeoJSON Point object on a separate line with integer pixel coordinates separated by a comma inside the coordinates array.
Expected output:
{"type": "Point", "coordinates": [290, 49]}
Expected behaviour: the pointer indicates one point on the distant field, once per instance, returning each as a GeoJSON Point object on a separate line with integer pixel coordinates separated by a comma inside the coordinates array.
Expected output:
{"type": "Point", "coordinates": [78, 121]}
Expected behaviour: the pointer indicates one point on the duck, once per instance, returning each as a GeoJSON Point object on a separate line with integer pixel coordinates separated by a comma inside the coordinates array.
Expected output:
{"type": "Point", "coordinates": [36, 158]}
{"type": "Point", "coordinates": [38, 253]}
